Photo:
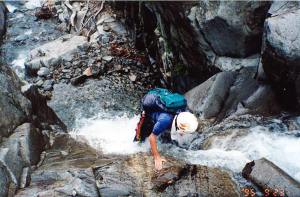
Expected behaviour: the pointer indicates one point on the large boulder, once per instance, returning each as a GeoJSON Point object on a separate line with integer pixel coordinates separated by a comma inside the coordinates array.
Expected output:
{"type": "Point", "coordinates": [51, 53]}
{"type": "Point", "coordinates": [17, 154]}
{"type": "Point", "coordinates": [220, 94]}
{"type": "Point", "coordinates": [231, 92]}
{"type": "Point", "coordinates": [135, 176]}
{"type": "Point", "coordinates": [271, 178]}
{"type": "Point", "coordinates": [232, 28]}
{"type": "Point", "coordinates": [281, 51]}
{"type": "Point", "coordinates": [14, 107]}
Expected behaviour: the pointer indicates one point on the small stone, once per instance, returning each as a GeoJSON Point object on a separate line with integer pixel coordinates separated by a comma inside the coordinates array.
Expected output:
{"type": "Point", "coordinates": [64, 153]}
{"type": "Point", "coordinates": [132, 77]}
{"type": "Point", "coordinates": [39, 83]}
{"type": "Point", "coordinates": [43, 72]}
{"type": "Point", "coordinates": [105, 39]}
{"type": "Point", "coordinates": [65, 70]}
{"type": "Point", "coordinates": [118, 67]}
{"type": "Point", "coordinates": [48, 85]}
{"type": "Point", "coordinates": [68, 65]}
{"type": "Point", "coordinates": [107, 58]}
{"type": "Point", "coordinates": [106, 28]}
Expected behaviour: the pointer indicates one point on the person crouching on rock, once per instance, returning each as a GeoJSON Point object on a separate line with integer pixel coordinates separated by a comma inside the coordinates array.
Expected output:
{"type": "Point", "coordinates": [162, 111]}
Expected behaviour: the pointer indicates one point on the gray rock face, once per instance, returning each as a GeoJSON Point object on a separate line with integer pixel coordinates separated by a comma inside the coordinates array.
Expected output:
{"type": "Point", "coordinates": [281, 52]}
{"type": "Point", "coordinates": [95, 97]}
{"type": "Point", "coordinates": [262, 101]}
{"type": "Point", "coordinates": [40, 108]}
{"type": "Point", "coordinates": [227, 92]}
{"type": "Point", "coordinates": [14, 107]}
{"type": "Point", "coordinates": [20, 151]}
{"type": "Point", "coordinates": [234, 28]}
{"type": "Point", "coordinates": [267, 175]}
{"type": "Point", "coordinates": [53, 52]}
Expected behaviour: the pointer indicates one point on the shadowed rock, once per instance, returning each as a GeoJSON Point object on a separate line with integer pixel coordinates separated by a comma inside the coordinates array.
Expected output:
{"type": "Point", "coordinates": [14, 107]}
{"type": "Point", "coordinates": [281, 52]}
{"type": "Point", "coordinates": [3, 11]}
{"type": "Point", "coordinates": [40, 108]}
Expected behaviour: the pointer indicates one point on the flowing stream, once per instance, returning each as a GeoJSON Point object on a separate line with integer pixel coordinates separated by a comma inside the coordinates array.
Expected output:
{"type": "Point", "coordinates": [114, 136]}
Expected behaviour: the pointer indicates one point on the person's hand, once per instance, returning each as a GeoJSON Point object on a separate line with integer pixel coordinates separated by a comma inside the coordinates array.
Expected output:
{"type": "Point", "coordinates": [158, 161]}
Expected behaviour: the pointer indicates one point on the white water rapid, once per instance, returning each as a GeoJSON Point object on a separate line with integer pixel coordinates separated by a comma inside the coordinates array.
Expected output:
{"type": "Point", "coordinates": [114, 136]}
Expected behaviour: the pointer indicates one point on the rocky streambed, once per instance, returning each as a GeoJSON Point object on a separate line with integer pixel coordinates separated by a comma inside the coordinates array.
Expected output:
{"type": "Point", "coordinates": [67, 126]}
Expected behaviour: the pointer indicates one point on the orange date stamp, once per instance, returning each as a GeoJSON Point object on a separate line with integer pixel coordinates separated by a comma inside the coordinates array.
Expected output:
{"type": "Point", "coordinates": [250, 192]}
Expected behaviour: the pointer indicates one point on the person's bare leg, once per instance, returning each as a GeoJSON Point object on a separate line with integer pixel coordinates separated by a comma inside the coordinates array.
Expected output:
{"type": "Point", "coordinates": [158, 160]}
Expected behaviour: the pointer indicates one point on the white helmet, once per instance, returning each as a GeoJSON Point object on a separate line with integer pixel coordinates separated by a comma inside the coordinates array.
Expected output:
{"type": "Point", "coordinates": [185, 122]}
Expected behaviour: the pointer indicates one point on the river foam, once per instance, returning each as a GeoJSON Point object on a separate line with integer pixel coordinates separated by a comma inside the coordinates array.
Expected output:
{"type": "Point", "coordinates": [111, 136]}
{"type": "Point", "coordinates": [114, 136]}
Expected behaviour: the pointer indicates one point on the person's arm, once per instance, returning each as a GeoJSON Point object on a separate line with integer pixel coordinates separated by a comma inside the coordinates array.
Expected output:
{"type": "Point", "coordinates": [158, 160]}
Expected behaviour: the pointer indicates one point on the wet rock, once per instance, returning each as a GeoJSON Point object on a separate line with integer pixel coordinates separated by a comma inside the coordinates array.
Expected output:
{"type": "Point", "coordinates": [66, 170]}
{"type": "Point", "coordinates": [176, 177]}
{"type": "Point", "coordinates": [40, 108]}
{"type": "Point", "coordinates": [267, 175]}
{"type": "Point", "coordinates": [280, 52]}
{"type": "Point", "coordinates": [54, 52]}
{"type": "Point", "coordinates": [43, 72]}
{"type": "Point", "coordinates": [14, 107]}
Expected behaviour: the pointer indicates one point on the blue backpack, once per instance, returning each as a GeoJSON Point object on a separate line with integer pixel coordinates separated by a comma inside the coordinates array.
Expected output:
{"type": "Point", "coordinates": [160, 99]}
